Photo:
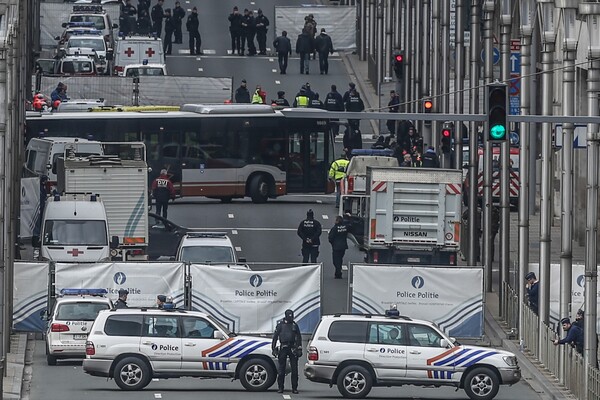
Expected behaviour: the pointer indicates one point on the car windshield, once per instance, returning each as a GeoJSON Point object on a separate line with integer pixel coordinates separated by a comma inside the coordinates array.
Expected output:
{"type": "Point", "coordinates": [75, 233]}
{"type": "Point", "coordinates": [96, 19]}
{"type": "Point", "coordinates": [80, 311]}
{"type": "Point", "coordinates": [94, 44]}
{"type": "Point", "coordinates": [72, 67]}
{"type": "Point", "coordinates": [145, 72]}
{"type": "Point", "coordinates": [207, 254]}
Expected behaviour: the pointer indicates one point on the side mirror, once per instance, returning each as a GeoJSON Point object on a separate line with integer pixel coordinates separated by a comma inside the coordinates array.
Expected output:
{"type": "Point", "coordinates": [444, 343]}
{"type": "Point", "coordinates": [453, 340]}
{"type": "Point", "coordinates": [64, 24]}
{"type": "Point", "coordinates": [56, 37]}
{"type": "Point", "coordinates": [115, 26]}
{"type": "Point", "coordinates": [218, 335]}
{"type": "Point", "coordinates": [114, 242]}
{"type": "Point", "coordinates": [35, 241]}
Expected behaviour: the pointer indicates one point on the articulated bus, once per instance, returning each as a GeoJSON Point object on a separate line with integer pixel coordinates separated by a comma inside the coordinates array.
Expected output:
{"type": "Point", "coordinates": [217, 151]}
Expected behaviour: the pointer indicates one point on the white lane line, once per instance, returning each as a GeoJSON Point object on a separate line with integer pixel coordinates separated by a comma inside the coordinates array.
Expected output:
{"type": "Point", "coordinates": [277, 82]}
{"type": "Point", "coordinates": [157, 396]}
{"type": "Point", "coordinates": [229, 52]}
{"type": "Point", "coordinates": [325, 216]}
{"type": "Point", "coordinates": [344, 268]}
{"type": "Point", "coordinates": [201, 69]}
{"type": "Point", "coordinates": [234, 232]}
{"type": "Point", "coordinates": [320, 201]}
{"type": "Point", "coordinates": [210, 51]}
{"type": "Point", "coordinates": [271, 60]}
{"type": "Point", "coordinates": [198, 59]}
{"type": "Point", "coordinates": [286, 396]}
{"type": "Point", "coordinates": [274, 70]}
{"type": "Point", "coordinates": [154, 379]}
{"type": "Point", "coordinates": [230, 216]}
{"type": "Point", "coordinates": [238, 249]}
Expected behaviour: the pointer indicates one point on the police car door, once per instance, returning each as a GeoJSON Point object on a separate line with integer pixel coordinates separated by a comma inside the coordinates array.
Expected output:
{"type": "Point", "coordinates": [201, 350]}
{"type": "Point", "coordinates": [385, 350]}
{"type": "Point", "coordinates": [161, 342]}
{"type": "Point", "coordinates": [426, 359]}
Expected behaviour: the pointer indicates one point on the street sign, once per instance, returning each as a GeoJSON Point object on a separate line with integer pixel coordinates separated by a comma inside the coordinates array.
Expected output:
{"type": "Point", "coordinates": [579, 136]}
{"type": "Point", "coordinates": [495, 58]}
{"type": "Point", "coordinates": [514, 87]}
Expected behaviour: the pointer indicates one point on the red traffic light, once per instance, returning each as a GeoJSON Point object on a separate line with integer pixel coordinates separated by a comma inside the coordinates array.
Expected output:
{"type": "Point", "coordinates": [446, 133]}
{"type": "Point", "coordinates": [428, 105]}
{"type": "Point", "coordinates": [399, 58]}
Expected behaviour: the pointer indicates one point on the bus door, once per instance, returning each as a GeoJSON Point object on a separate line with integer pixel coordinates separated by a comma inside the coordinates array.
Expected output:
{"type": "Point", "coordinates": [308, 157]}
{"type": "Point", "coordinates": [163, 147]}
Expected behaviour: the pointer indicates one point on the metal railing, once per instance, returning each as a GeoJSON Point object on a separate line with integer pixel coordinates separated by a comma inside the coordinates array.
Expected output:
{"type": "Point", "coordinates": [574, 372]}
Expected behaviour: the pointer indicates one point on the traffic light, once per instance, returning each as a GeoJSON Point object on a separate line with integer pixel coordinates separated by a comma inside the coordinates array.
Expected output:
{"type": "Point", "coordinates": [427, 105]}
{"type": "Point", "coordinates": [398, 63]}
{"type": "Point", "coordinates": [447, 130]}
{"type": "Point", "coordinates": [497, 106]}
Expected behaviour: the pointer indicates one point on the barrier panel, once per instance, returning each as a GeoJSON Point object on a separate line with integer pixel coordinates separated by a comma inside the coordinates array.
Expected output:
{"type": "Point", "coordinates": [452, 297]}
{"type": "Point", "coordinates": [30, 207]}
{"type": "Point", "coordinates": [30, 296]}
{"type": "Point", "coordinates": [249, 301]}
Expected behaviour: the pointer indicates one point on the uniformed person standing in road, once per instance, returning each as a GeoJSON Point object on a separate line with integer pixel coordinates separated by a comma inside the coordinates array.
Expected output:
{"type": "Point", "coordinates": [283, 47]}
{"type": "Point", "coordinates": [262, 23]}
{"type": "Point", "coordinates": [122, 301]}
{"type": "Point", "coordinates": [192, 24]}
{"type": "Point", "coordinates": [288, 334]}
{"type": "Point", "coordinates": [169, 29]}
{"type": "Point", "coordinates": [281, 100]}
{"type": "Point", "coordinates": [242, 94]}
{"type": "Point", "coordinates": [301, 100]}
{"type": "Point", "coordinates": [337, 172]}
{"type": "Point", "coordinates": [162, 191]}
{"type": "Point", "coordinates": [338, 235]}
{"type": "Point", "coordinates": [235, 30]}
{"type": "Point", "coordinates": [334, 102]}
{"type": "Point", "coordinates": [157, 14]}
{"type": "Point", "coordinates": [251, 33]}
{"type": "Point", "coordinates": [178, 14]}
{"type": "Point", "coordinates": [310, 231]}
{"type": "Point", "coordinates": [315, 102]}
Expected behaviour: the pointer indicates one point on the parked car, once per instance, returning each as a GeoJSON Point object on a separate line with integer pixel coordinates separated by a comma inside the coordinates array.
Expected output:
{"type": "Point", "coordinates": [164, 237]}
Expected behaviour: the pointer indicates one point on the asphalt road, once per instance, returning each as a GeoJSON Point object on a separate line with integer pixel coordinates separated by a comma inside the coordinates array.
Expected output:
{"type": "Point", "coordinates": [260, 232]}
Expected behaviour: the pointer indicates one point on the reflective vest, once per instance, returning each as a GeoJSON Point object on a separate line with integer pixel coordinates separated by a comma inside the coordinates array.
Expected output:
{"type": "Point", "coordinates": [338, 169]}
{"type": "Point", "coordinates": [256, 99]}
{"type": "Point", "coordinates": [302, 101]}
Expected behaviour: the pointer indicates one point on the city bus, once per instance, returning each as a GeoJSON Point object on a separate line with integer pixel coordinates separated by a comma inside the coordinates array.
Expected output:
{"type": "Point", "coordinates": [218, 151]}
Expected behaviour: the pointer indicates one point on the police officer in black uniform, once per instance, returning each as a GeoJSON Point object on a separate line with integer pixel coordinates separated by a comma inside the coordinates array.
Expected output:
{"type": "Point", "coordinates": [192, 26]}
{"type": "Point", "coordinates": [122, 301]}
{"type": "Point", "coordinates": [315, 102]}
{"type": "Point", "coordinates": [157, 14]}
{"type": "Point", "coordinates": [281, 100]}
{"type": "Point", "coordinates": [262, 23]}
{"type": "Point", "coordinates": [235, 30]}
{"type": "Point", "coordinates": [338, 238]}
{"type": "Point", "coordinates": [310, 231]}
{"type": "Point", "coordinates": [169, 29]}
{"type": "Point", "coordinates": [334, 102]}
{"type": "Point", "coordinates": [288, 334]}
{"type": "Point", "coordinates": [178, 14]}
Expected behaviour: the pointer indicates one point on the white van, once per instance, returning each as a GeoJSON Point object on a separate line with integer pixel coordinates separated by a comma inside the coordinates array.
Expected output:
{"type": "Point", "coordinates": [75, 229]}
{"type": "Point", "coordinates": [145, 70]}
{"type": "Point", "coordinates": [137, 50]}
{"type": "Point", "coordinates": [98, 16]}
{"type": "Point", "coordinates": [41, 153]}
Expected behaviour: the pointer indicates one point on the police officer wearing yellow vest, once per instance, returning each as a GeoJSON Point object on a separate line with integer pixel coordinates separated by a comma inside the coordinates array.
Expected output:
{"type": "Point", "coordinates": [302, 99]}
{"type": "Point", "coordinates": [337, 172]}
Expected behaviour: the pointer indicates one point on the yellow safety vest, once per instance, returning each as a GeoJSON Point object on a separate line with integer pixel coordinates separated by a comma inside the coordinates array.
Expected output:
{"type": "Point", "coordinates": [302, 101]}
{"type": "Point", "coordinates": [256, 99]}
{"type": "Point", "coordinates": [338, 169]}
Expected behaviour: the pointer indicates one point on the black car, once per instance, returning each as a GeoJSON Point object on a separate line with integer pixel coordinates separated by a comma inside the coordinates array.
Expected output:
{"type": "Point", "coordinates": [164, 236]}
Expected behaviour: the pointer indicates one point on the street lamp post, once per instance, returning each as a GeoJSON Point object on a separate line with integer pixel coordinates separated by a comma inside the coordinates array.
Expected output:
{"type": "Point", "coordinates": [548, 39]}
{"type": "Point", "coordinates": [592, 13]}
{"type": "Point", "coordinates": [570, 38]}
{"type": "Point", "coordinates": [527, 11]}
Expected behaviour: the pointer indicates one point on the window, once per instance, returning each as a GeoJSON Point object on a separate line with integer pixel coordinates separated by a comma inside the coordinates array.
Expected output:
{"type": "Point", "coordinates": [197, 328]}
{"type": "Point", "coordinates": [207, 254]}
{"type": "Point", "coordinates": [386, 334]}
{"type": "Point", "coordinates": [161, 326]}
{"type": "Point", "coordinates": [348, 331]}
{"type": "Point", "coordinates": [123, 325]}
{"type": "Point", "coordinates": [80, 311]}
{"type": "Point", "coordinates": [31, 156]}
{"type": "Point", "coordinates": [423, 336]}
{"type": "Point", "coordinates": [75, 233]}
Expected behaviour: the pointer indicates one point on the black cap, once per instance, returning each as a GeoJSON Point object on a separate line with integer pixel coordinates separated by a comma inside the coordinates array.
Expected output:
{"type": "Point", "coordinates": [565, 321]}
{"type": "Point", "coordinates": [280, 93]}
{"type": "Point", "coordinates": [162, 298]}
{"type": "Point", "coordinates": [235, 8]}
{"type": "Point", "coordinates": [123, 292]}
{"type": "Point", "coordinates": [580, 312]}
{"type": "Point", "coordinates": [310, 213]}
{"type": "Point", "coordinates": [259, 11]}
{"type": "Point", "coordinates": [529, 276]}
{"type": "Point", "coordinates": [352, 85]}
{"type": "Point", "coordinates": [243, 81]}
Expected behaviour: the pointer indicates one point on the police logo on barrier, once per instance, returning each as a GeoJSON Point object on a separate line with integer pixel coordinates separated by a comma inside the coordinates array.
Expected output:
{"type": "Point", "coordinates": [581, 281]}
{"type": "Point", "coordinates": [417, 282]}
{"type": "Point", "coordinates": [154, 346]}
{"type": "Point", "coordinates": [120, 278]}
{"type": "Point", "coordinates": [256, 280]}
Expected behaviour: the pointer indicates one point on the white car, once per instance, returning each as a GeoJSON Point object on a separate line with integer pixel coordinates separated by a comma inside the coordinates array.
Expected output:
{"type": "Point", "coordinates": [145, 70]}
{"type": "Point", "coordinates": [132, 346]}
{"type": "Point", "coordinates": [206, 248]}
{"type": "Point", "coordinates": [356, 352]}
{"type": "Point", "coordinates": [70, 320]}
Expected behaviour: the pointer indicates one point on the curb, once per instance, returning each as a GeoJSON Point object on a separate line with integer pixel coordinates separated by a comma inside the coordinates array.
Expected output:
{"type": "Point", "coordinates": [12, 383]}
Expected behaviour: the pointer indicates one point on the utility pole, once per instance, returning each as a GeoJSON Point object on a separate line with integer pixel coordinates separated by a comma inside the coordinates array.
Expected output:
{"type": "Point", "coordinates": [459, 83]}
{"type": "Point", "coordinates": [445, 75]}
{"type": "Point", "coordinates": [436, 66]}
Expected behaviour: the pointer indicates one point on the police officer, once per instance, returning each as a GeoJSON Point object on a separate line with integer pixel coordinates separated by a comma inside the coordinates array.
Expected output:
{"type": "Point", "coordinates": [288, 334]}
{"type": "Point", "coordinates": [337, 172]}
{"type": "Point", "coordinates": [431, 160]}
{"type": "Point", "coordinates": [127, 18]}
{"type": "Point", "coordinates": [533, 291]}
{"type": "Point", "coordinates": [283, 47]}
{"type": "Point", "coordinates": [338, 238]}
{"type": "Point", "coordinates": [157, 14]}
{"type": "Point", "coordinates": [281, 100]}
{"type": "Point", "coordinates": [393, 107]}
{"type": "Point", "coordinates": [334, 102]}
{"type": "Point", "coordinates": [162, 191]}
{"type": "Point", "coordinates": [574, 335]}
{"type": "Point", "coordinates": [161, 299]}
{"type": "Point", "coordinates": [169, 29]}
{"type": "Point", "coordinates": [249, 23]}
{"type": "Point", "coordinates": [324, 47]}
{"type": "Point", "coordinates": [122, 301]}
{"type": "Point", "coordinates": [244, 30]}
{"type": "Point", "coordinates": [262, 22]}
{"type": "Point", "coordinates": [301, 100]}
{"type": "Point", "coordinates": [178, 14]}
{"type": "Point", "coordinates": [192, 24]}
{"type": "Point", "coordinates": [310, 231]}
{"type": "Point", "coordinates": [304, 48]}
{"type": "Point", "coordinates": [354, 104]}
{"type": "Point", "coordinates": [242, 94]}
{"type": "Point", "coordinates": [315, 102]}
{"type": "Point", "coordinates": [235, 30]}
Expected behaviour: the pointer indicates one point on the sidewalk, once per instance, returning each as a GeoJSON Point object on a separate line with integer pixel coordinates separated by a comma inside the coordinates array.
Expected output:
{"type": "Point", "coordinates": [540, 380]}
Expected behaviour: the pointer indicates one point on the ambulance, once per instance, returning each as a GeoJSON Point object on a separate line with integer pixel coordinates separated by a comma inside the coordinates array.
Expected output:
{"type": "Point", "coordinates": [139, 50]}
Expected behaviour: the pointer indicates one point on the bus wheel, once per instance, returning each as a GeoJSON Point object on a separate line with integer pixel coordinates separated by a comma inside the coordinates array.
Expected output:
{"type": "Point", "coordinates": [259, 189]}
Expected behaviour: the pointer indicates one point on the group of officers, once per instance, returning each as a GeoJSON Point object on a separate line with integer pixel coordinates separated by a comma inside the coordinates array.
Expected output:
{"type": "Point", "coordinates": [243, 28]}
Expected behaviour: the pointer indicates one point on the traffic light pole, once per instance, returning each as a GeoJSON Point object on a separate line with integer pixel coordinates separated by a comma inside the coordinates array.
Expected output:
{"type": "Point", "coordinates": [488, 8]}
{"type": "Point", "coordinates": [436, 67]}
{"type": "Point", "coordinates": [459, 84]}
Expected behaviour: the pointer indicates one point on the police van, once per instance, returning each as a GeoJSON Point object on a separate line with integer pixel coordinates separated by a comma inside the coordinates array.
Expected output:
{"type": "Point", "coordinates": [137, 50]}
{"type": "Point", "coordinates": [135, 345]}
{"type": "Point", "coordinates": [70, 320]}
{"type": "Point", "coordinates": [95, 14]}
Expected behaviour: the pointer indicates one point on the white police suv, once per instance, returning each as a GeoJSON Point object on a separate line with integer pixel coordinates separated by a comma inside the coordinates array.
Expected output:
{"type": "Point", "coordinates": [70, 320]}
{"type": "Point", "coordinates": [132, 346]}
{"type": "Point", "coordinates": [356, 352]}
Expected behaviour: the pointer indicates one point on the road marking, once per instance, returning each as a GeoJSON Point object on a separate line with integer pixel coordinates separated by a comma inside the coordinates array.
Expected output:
{"type": "Point", "coordinates": [344, 267]}
{"type": "Point", "coordinates": [320, 201]}
{"type": "Point", "coordinates": [286, 396]}
{"type": "Point", "coordinates": [271, 59]}
{"type": "Point", "coordinates": [201, 69]}
{"type": "Point", "coordinates": [274, 70]}
{"type": "Point", "coordinates": [198, 59]}
{"type": "Point", "coordinates": [154, 379]}
{"type": "Point", "coordinates": [157, 396]}
{"type": "Point", "coordinates": [257, 229]}
{"type": "Point", "coordinates": [269, 50]}
{"type": "Point", "coordinates": [209, 51]}
{"type": "Point", "coordinates": [234, 232]}
{"type": "Point", "coordinates": [230, 216]}
{"type": "Point", "coordinates": [278, 82]}
{"type": "Point", "coordinates": [238, 249]}
{"type": "Point", "coordinates": [325, 216]}
{"type": "Point", "coordinates": [229, 52]}
{"type": "Point", "coordinates": [189, 9]}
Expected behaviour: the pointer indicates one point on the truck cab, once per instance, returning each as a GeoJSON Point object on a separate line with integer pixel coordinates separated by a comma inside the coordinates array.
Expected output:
{"type": "Point", "coordinates": [75, 229]}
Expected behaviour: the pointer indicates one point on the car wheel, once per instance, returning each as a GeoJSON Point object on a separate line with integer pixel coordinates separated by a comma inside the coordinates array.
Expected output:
{"type": "Point", "coordinates": [354, 382]}
{"type": "Point", "coordinates": [259, 189]}
{"type": "Point", "coordinates": [257, 375]}
{"type": "Point", "coordinates": [132, 373]}
{"type": "Point", "coordinates": [482, 384]}
{"type": "Point", "coordinates": [51, 360]}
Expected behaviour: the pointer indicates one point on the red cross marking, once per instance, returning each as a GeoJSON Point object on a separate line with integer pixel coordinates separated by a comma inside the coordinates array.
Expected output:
{"type": "Point", "coordinates": [75, 252]}
{"type": "Point", "coordinates": [150, 52]}
{"type": "Point", "coordinates": [129, 52]}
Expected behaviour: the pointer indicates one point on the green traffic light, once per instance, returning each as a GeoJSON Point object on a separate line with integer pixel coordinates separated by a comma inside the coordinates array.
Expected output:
{"type": "Point", "coordinates": [498, 132]}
